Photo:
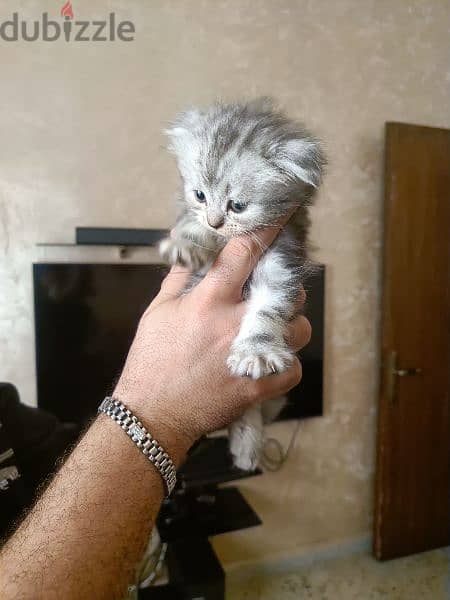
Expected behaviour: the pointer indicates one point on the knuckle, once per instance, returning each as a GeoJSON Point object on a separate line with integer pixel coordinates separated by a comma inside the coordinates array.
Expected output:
{"type": "Point", "coordinates": [298, 333]}
{"type": "Point", "coordinates": [308, 331]}
{"type": "Point", "coordinates": [242, 248]}
{"type": "Point", "coordinates": [238, 248]}
{"type": "Point", "coordinates": [296, 373]}
{"type": "Point", "coordinates": [290, 335]}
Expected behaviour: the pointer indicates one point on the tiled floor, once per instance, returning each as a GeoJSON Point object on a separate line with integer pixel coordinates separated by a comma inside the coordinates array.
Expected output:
{"type": "Point", "coordinates": [420, 577]}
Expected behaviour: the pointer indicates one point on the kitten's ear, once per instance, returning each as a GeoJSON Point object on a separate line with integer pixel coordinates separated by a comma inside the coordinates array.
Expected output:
{"type": "Point", "coordinates": [184, 124]}
{"type": "Point", "coordinates": [300, 159]}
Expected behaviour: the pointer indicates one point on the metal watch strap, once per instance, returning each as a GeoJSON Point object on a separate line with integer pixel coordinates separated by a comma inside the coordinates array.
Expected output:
{"type": "Point", "coordinates": [142, 438]}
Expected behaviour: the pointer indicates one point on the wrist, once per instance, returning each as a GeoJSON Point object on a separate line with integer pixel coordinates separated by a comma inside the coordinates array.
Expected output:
{"type": "Point", "coordinates": [161, 428]}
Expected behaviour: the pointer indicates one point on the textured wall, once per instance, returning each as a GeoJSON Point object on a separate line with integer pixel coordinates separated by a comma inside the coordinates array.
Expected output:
{"type": "Point", "coordinates": [81, 145]}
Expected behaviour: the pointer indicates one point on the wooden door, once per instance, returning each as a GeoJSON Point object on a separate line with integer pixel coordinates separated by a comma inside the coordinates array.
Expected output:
{"type": "Point", "coordinates": [412, 483]}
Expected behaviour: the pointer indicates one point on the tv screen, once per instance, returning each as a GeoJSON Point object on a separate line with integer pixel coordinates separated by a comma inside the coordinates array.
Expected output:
{"type": "Point", "coordinates": [85, 319]}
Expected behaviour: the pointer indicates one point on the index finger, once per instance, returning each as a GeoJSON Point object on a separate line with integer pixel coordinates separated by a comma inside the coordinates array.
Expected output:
{"type": "Point", "coordinates": [237, 260]}
{"type": "Point", "coordinates": [172, 286]}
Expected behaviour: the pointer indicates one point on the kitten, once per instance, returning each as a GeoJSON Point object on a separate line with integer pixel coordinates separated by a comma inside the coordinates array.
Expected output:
{"type": "Point", "coordinates": [243, 166]}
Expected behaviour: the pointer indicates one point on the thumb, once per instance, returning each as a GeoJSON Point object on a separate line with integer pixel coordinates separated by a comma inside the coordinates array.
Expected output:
{"type": "Point", "coordinates": [237, 260]}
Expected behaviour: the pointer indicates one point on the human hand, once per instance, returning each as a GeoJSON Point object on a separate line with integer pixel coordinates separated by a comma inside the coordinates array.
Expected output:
{"type": "Point", "coordinates": [175, 377]}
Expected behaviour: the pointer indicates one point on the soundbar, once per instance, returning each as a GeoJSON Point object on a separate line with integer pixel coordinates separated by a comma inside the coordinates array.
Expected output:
{"type": "Point", "coordinates": [113, 236]}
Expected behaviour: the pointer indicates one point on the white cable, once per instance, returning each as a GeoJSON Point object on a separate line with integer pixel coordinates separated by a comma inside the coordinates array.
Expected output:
{"type": "Point", "coordinates": [272, 463]}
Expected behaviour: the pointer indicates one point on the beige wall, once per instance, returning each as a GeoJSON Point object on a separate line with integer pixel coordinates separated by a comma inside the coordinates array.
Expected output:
{"type": "Point", "coordinates": [81, 145]}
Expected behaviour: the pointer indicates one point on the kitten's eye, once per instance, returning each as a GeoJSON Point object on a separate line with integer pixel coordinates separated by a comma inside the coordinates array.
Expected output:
{"type": "Point", "coordinates": [236, 207]}
{"type": "Point", "coordinates": [200, 196]}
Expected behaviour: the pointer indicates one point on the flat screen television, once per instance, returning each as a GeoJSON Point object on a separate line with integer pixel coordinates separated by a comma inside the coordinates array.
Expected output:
{"type": "Point", "coordinates": [85, 319]}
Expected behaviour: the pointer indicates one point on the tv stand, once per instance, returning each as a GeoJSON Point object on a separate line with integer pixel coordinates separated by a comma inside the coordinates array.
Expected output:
{"type": "Point", "coordinates": [195, 573]}
{"type": "Point", "coordinates": [204, 513]}
{"type": "Point", "coordinates": [197, 510]}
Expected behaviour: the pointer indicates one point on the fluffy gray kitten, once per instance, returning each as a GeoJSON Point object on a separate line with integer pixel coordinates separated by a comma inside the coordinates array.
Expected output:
{"type": "Point", "coordinates": [243, 166]}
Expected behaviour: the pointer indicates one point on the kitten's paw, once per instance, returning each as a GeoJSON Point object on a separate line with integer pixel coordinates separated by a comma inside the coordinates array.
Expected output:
{"type": "Point", "coordinates": [181, 252]}
{"type": "Point", "coordinates": [245, 447]}
{"type": "Point", "coordinates": [247, 362]}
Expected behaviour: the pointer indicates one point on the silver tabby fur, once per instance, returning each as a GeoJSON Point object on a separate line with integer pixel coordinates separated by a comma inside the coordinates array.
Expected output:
{"type": "Point", "coordinates": [252, 158]}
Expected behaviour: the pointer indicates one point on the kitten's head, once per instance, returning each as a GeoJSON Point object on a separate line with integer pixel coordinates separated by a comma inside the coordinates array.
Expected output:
{"type": "Point", "coordinates": [244, 166]}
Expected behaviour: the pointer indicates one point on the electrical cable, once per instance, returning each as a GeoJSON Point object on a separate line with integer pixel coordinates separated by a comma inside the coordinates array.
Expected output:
{"type": "Point", "coordinates": [271, 463]}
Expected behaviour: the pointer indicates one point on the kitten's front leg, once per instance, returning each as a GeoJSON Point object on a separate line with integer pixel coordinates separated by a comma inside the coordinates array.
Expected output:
{"type": "Point", "coordinates": [260, 348]}
{"type": "Point", "coordinates": [189, 246]}
{"type": "Point", "coordinates": [181, 251]}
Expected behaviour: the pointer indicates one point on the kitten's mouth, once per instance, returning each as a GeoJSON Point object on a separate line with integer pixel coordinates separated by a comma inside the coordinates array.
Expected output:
{"type": "Point", "coordinates": [219, 231]}
{"type": "Point", "coordinates": [224, 231]}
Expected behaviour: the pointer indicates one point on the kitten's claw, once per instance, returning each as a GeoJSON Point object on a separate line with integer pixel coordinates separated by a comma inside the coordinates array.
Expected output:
{"type": "Point", "coordinates": [244, 363]}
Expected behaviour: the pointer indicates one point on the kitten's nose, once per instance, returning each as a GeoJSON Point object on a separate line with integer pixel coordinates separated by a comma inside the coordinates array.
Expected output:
{"type": "Point", "coordinates": [215, 219]}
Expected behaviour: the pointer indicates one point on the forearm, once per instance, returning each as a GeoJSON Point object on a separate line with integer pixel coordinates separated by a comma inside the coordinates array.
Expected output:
{"type": "Point", "coordinates": [89, 530]}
